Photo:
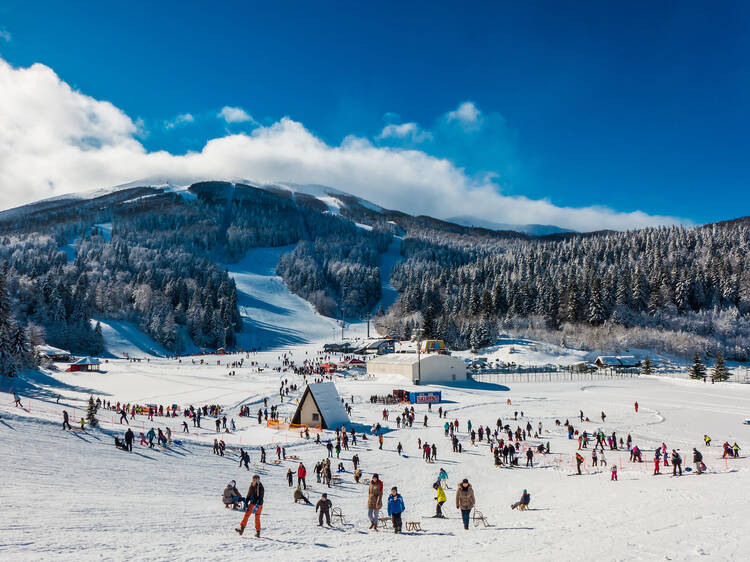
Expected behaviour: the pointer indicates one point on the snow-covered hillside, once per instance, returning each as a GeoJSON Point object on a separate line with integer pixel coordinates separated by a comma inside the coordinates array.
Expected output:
{"type": "Point", "coordinates": [272, 315]}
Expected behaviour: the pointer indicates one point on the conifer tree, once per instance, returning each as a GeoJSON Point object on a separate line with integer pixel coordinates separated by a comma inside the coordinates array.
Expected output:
{"type": "Point", "coordinates": [91, 413]}
{"type": "Point", "coordinates": [647, 368]}
{"type": "Point", "coordinates": [719, 372]}
{"type": "Point", "coordinates": [697, 369]}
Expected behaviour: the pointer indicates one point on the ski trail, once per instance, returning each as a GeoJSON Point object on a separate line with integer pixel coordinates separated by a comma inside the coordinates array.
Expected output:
{"type": "Point", "coordinates": [272, 315]}
{"type": "Point", "coordinates": [388, 294]}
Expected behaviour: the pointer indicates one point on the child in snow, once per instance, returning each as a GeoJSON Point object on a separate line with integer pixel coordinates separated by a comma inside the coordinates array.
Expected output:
{"type": "Point", "coordinates": [614, 473]}
{"type": "Point", "coordinates": [440, 498]}
{"type": "Point", "coordinates": [300, 497]}
{"type": "Point", "coordinates": [395, 509]}
{"type": "Point", "coordinates": [324, 506]}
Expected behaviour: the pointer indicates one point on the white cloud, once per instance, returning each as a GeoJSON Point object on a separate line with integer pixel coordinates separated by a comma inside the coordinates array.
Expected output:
{"type": "Point", "coordinates": [235, 115]}
{"type": "Point", "coordinates": [410, 132]}
{"type": "Point", "coordinates": [467, 115]}
{"type": "Point", "coordinates": [56, 140]}
{"type": "Point", "coordinates": [5, 35]}
{"type": "Point", "coordinates": [182, 119]}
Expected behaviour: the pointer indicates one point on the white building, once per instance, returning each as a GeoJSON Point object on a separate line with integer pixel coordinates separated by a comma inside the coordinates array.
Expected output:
{"type": "Point", "coordinates": [429, 368]}
{"type": "Point", "coordinates": [321, 406]}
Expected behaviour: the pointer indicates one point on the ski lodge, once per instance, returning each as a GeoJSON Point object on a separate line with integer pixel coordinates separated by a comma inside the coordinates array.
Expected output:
{"type": "Point", "coordinates": [53, 353]}
{"type": "Point", "coordinates": [422, 369]}
{"type": "Point", "coordinates": [321, 406]}
{"type": "Point", "coordinates": [84, 364]}
{"type": "Point", "coordinates": [377, 347]}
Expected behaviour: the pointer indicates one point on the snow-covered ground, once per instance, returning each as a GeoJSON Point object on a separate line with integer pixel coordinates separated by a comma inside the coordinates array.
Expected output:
{"type": "Point", "coordinates": [72, 495]}
{"type": "Point", "coordinates": [125, 339]}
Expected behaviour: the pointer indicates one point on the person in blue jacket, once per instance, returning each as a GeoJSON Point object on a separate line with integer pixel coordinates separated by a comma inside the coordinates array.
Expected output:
{"type": "Point", "coordinates": [395, 509]}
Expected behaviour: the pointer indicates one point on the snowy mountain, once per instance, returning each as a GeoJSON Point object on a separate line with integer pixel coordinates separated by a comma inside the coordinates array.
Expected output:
{"type": "Point", "coordinates": [168, 258]}
{"type": "Point", "coordinates": [530, 229]}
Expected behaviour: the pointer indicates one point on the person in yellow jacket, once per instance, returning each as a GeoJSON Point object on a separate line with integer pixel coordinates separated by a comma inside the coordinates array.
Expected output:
{"type": "Point", "coordinates": [440, 497]}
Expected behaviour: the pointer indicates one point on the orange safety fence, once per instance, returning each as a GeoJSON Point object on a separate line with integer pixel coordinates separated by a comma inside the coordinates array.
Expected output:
{"type": "Point", "coordinates": [283, 426]}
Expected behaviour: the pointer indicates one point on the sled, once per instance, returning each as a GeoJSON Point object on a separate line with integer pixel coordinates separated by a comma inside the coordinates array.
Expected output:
{"type": "Point", "coordinates": [336, 513]}
{"type": "Point", "coordinates": [414, 526]}
{"type": "Point", "coordinates": [479, 518]}
{"type": "Point", "coordinates": [384, 522]}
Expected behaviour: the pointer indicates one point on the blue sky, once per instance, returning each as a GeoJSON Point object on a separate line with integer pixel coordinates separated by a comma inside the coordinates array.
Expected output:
{"type": "Point", "coordinates": [631, 106]}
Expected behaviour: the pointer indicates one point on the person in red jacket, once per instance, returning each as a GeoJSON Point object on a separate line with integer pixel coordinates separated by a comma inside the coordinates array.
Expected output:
{"type": "Point", "coordinates": [301, 473]}
{"type": "Point", "coordinates": [636, 407]}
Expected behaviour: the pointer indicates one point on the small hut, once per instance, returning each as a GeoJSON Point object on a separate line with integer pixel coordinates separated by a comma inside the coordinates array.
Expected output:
{"type": "Point", "coordinates": [84, 364]}
{"type": "Point", "coordinates": [321, 406]}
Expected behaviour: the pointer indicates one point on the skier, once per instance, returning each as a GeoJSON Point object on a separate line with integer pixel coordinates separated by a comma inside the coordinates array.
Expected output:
{"type": "Point", "coordinates": [124, 416]}
{"type": "Point", "coordinates": [579, 462]}
{"type": "Point", "coordinates": [324, 505]}
{"type": "Point", "coordinates": [185, 427]}
{"type": "Point", "coordinates": [465, 501]}
{"type": "Point", "coordinates": [395, 509]}
{"type": "Point", "coordinates": [254, 503]}
{"type": "Point", "coordinates": [65, 420]}
{"type": "Point", "coordinates": [440, 498]}
{"type": "Point", "coordinates": [17, 400]}
{"type": "Point", "coordinates": [374, 500]}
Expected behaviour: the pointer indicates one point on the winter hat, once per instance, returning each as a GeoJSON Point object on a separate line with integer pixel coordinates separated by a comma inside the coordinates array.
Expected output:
{"type": "Point", "coordinates": [232, 483]}
{"type": "Point", "coordinates": [525, 492]}
{"type": "Point", "coordinates": [465, 481]}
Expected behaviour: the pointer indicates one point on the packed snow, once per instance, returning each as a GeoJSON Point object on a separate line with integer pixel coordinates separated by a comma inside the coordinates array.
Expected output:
{"type": "Point", "coordinates": [124, 339]}
{"type": "Point", "coordinates": [73, 495]}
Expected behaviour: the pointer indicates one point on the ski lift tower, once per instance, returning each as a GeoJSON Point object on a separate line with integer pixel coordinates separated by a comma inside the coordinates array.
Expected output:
{"type": "Point", "coordinates": [366, 317]}
{"type": "Point", "coordinates": [419, 331]}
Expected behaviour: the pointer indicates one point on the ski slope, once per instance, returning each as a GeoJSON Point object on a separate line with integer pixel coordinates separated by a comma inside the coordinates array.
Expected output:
{"type": "Point", "coordinates": [125, 339]}
{"type": "Point", "coordinates": [272, 315]}
{"type": "Point", "coordinates": [70, 495]}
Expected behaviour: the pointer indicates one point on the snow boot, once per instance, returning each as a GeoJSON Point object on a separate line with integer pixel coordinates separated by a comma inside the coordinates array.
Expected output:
{"type": "Point", "coordinates": [257, 534]}
{"type": "Point", "coordinates": [240, 530]}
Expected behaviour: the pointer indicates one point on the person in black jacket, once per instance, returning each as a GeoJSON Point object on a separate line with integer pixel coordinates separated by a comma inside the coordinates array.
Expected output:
{"type": "Point", "coordinates": [129, 436]}
{"type": "Point", "coordinates": [254, 502]}
{"type": "Point", "coordinates": [698, 460]}
{"type": "Point", "coordinates": [324, 505]}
